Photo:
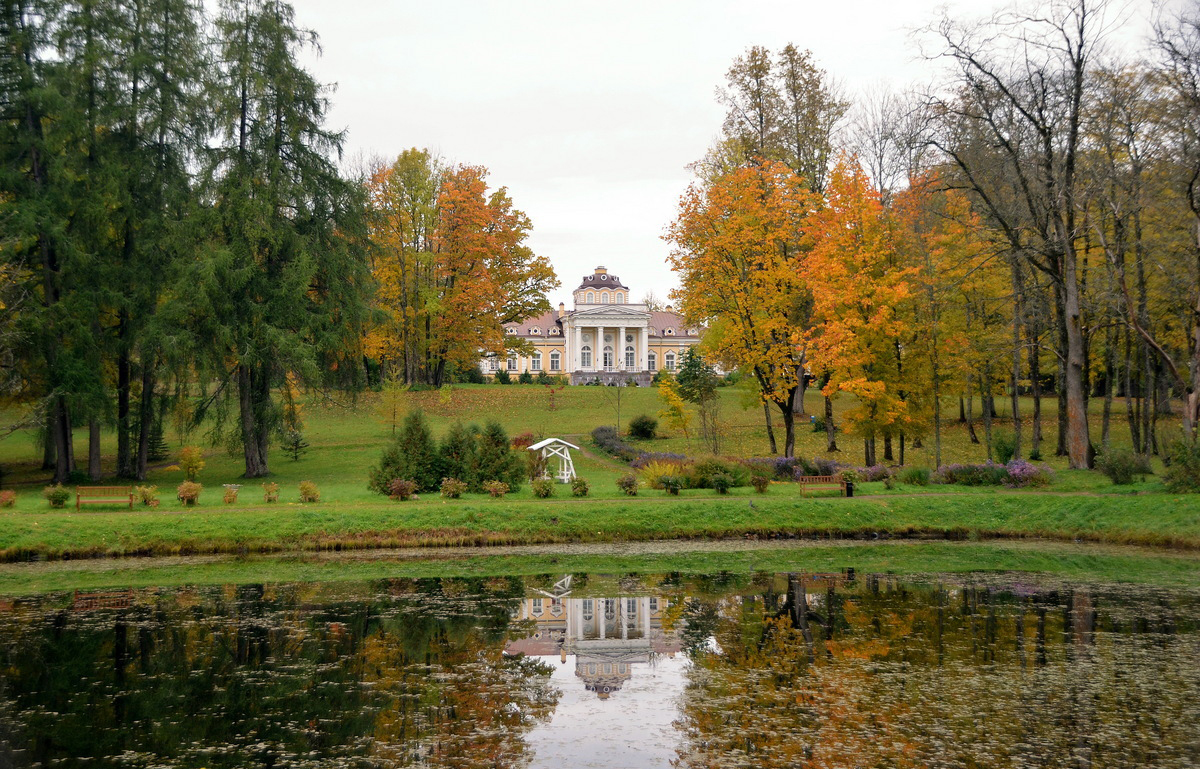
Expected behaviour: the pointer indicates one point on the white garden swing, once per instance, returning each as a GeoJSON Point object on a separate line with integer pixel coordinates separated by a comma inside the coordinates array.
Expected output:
{"type": "Point", "coordinates": [557, 447]}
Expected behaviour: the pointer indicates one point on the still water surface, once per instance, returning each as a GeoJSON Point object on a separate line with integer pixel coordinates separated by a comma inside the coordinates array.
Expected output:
{"type": "Point", "coordinates": [636, 670]}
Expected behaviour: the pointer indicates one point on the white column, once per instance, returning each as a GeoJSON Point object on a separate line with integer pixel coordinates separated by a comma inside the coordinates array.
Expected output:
{"type": "Point", "coordinates": [624, 619]}
{"type": "Point", "coordinates": [620, 350]}
{"type": "Point", "coordinates": [643, 344]}
{"type": "Point", "coordinates": [577, 355]}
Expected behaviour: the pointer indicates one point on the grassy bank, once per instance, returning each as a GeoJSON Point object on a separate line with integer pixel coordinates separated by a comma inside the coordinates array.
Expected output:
{"type": "Point", "coordinates": [1081, 563]}
{"type": "Point", "coordinates": [1150, 519]}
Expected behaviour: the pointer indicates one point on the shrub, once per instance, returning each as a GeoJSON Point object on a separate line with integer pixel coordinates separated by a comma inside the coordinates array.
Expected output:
{"type": "Point", "coordinates": [670, 483]}
{"type": "Point", "coordinates": [1122, 466]}
{"type": "Point", "coordinates": [410, 455]}
{"type": "Point", "coordinates": [988, 474]}
{"type": "Point", "coordinates": [700, 475]}
{"type": "Point", "coordinates": [495, 459]}
{"type": "Point", "coordinates": [1183, 474]}
{"type": "Point", "coordinates": [1004, 444]}
{"type": "Point", "coordinates": [188, 492]}
{"type": "Point", "coordinates": [502, 377]}
{"type": "Point", "coordinates": [849, 475]}
{"type": "Point", "coordinates": [721, 482]}
{"type": "Point", "coordinates": [402, 490]}
{"type": "Point", "coordinates": [646, 457]}
{"type": "Point", "coordinates": [496, 489]}
{"type": "Point", "coordinates": [915, 476]}
{"type": "Point", "coordinates": [889, 483]}
{"type": "Point", "coordinates": [657, 470]}
{"type": "Point", "coordinates": [609, 441]}
{"type": "Point", "coordinates": [628, 483]}
{"type": "Point", "coordinates": [452, 488]}
{"type": "Point", "coordinates": [760, 483]}
{"type": "Point", "coordinates": [775, 468]}
{"type": "Point", "coordinates": [525, 378]}
{"type": "Point", "coordinates": [579, 487]}
{"type": "Point", "coordinates": [191, 462]}
{"type": "Point", "coordinates": [458, 452]}
{"type": "Point", "coordinates": [524, 440]}
{"type": "Point", "coordinates": [270, 492]}
{"type": "Point", "coordinates": [147, 495]}
{"type": "Point", "coordinates": [643, 426]}
{"type": "Point", "coordinates": [57, 495]}
{"type": "Point", "coordinates": [872, 474]}
{"type": "Point", "coordinates": [542, 487]}
{"type": "Point", "coordinates": [8, 498]}
{"type": "Point", "coordinates": [1023, 474]}
{"type": "Point", "coordinates": [231, 492]}
{"type": "Point", "coordinates": [824, 466]}
{"type": "Point", "coordinates": [309, 492]}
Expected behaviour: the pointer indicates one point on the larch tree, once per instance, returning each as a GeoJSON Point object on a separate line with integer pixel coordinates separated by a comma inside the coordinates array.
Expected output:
{"type": "Point", "coordinates": [736, 248]}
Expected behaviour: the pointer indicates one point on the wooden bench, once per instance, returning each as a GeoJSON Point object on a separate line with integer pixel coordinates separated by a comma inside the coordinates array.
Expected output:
{"type": "Point", "coordinates": [822, 482]}
{"type": "Point", "coordinates": [99, 495]}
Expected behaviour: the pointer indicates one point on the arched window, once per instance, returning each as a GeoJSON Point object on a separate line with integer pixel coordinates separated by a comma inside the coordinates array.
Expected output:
{"type": "Point", "coordinates": [620, 298]}
{"type": "Point", "coordinates": [608, 357]}
{"type": "Point", "coordinates": [591, 298]}
{"type": "Point", "coordinates": [493, 364]}
{"type": "Point", "coordinates": [652, 361]}
{"type": "Point", "coordinates": [585, 356]}
{"type": "Point", "coordinates": [536, 362]}
{"type": "Point", "coordinates": [604, 298]}
{"type": "Point", "coordinates": [629, 357]}
{"type": "Point", "coordinates": [555, 361]}
{"type": "Point", "coordinates": [670, 361]}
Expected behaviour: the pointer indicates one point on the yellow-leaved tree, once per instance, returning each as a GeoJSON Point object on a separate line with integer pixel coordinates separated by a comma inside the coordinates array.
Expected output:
{"type": "Point", "coordinates": [737, 250]}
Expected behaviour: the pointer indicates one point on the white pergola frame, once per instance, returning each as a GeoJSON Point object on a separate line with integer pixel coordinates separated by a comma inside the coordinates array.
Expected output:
{"type": "Point", "coordinates": [557, 447]}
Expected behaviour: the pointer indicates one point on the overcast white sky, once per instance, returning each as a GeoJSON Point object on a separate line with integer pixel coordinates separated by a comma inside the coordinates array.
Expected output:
{"type": "Point", "coordinates": [588, 112]}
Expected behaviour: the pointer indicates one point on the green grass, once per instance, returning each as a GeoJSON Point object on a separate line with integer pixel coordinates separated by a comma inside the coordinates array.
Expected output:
{"type": "Point", "coordinates": [347, 439]}
{"type": "Point", "coordinates": [1072, 562]}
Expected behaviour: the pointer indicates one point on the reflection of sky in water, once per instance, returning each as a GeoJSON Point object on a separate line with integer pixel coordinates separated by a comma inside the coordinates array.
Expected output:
{"type": "Point", "coordinates": [632, 729]}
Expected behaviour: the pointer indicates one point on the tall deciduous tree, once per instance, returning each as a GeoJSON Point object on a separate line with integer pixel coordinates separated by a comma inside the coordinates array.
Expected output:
{"type": "Point", "coordinates": [735, 246]}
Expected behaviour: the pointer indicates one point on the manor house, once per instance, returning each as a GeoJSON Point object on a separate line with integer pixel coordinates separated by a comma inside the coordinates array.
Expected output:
{"type": "Point", "coordinates": [606, 337]}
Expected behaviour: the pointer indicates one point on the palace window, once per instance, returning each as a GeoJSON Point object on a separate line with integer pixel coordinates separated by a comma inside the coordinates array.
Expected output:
{"type": "Point", "coordinates": [554, 331]}
{"type": "Point", "coordinates": [653, 604]}
{"type": "Point", "coordinates": [670, 361]}
{"type": "Point", "coordinates": [555, 361]}
{"type": "Point", "coordinates": [587, 608]}
{"type": "Point", "coordinates": [536, 362]}
{"type": "Point", "coordinates": [630, 607]}
{"type": "Point", "coordinates": [537, 606]}
{"type": "Point", "coordinates": [652, 361]}
{"type": "Point", "coordinates": [604, 298]}
{"type": "Point", "coordinates": [511, 331]}
{"type": "Point", "coordinates": [620, 298]}
{"type": "Point", "coordinates": [493, 364]}
{"type": "Point", "coordinates": [512, 364]}
{"type": "Point", "coordinates": [591, 298]}
{"type": "Point", "coordinates": [629, 357]}
{"type": "Point", "coordinates": [608, 356]}
{"type": "Point", "coordinates": [669, 332]}
{"type": "Point", "coordinates": [535, 330]}
{"type": "Point", "coordinates": [585, 356]}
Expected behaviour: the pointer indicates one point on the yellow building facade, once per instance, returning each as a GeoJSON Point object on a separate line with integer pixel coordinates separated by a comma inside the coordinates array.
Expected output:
{"type": "Point", "coordinates": [606, 337]}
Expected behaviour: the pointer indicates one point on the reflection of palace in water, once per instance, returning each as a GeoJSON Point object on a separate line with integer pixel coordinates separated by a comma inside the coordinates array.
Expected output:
{"type": "Point", "coordinates": [607, 636]}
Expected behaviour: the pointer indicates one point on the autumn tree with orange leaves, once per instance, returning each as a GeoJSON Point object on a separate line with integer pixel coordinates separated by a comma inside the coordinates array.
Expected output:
{"type": "Point", "coordinates": [737, 250]}
{"type": "Point", "coordinates": [861, 282]}
{"type": "Point", "coordinates": [452, 266]}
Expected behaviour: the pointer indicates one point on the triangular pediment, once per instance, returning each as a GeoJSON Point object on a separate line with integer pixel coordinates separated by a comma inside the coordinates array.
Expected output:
{"type": "Point", "coordinates": [611, 311]}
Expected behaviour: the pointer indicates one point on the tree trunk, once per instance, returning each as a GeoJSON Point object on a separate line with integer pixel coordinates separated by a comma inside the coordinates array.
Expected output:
{"type": "Point", "coordinates": [1130, 409]}
{"type": "Point", "coordinates": [801, 386]}
{"type": "Point", "coordinates": [64, 450]}
{"type": "Point", "coordinates": [251, 423]}
{"type": "Point", "coordinates": [125, 467]}
{"type": "Point", "coordinates": [94, 471]}
{"type": "Point", "coordinates": [962, 411]}
{"type": "Point", "coordinates": [1018, 295]}
{"type": "Point", "coordinates": [1079, 444]}
{"type": "Point", "coordinates": [887, 449]}
{"type": "Point", "coordinates": [770, 428]}
{"type": "Point", "coordinates": [830, 427]}
{"type": "Point", "coordinates": [789, 428]}
{"type": "Point", "coordinates": [971, 412]}
{"type": "Point", "coordinates": [985, 399]}
{"type": "Point", "coordinates": [145, 417]}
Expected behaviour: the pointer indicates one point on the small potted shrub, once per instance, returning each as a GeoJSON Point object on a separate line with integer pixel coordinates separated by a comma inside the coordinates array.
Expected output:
{"type": "Point", "coordinates": [496, 489]}
{"type": "Point", "coordinates": [231, 492]}
{"type": "Point", "coordinates": [542, 488]}
{"type": "Point", "coordinates": [453, 488]}
{"type": "Point", "coordinates": [309, 492]}
{"type": "Point", "coordinates": [270, 492]}
{"type": "Point", "coordinates": [8, 498]}
{"type": "Point", "coordinates": [671, 484]}
{"type": "Point", "coordinates": [628, 483]}
{"type": "Point", "coordinates": [760, 483]}
{"type": "Point", "coordinates": [57, 495]}
{"type": "Point", "coordinates": [188, 492]}
{"type": "Point", "coordinates": [579, 487]}
{"type": "Point", "coordinates": [402, 490]}
{"type": "Point", "coordinates": [721, 482]}
{"type": "Point", "coordinates": [147, 495]}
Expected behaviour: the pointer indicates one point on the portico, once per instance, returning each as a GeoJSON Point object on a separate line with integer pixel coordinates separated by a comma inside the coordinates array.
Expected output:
{"type": "Point", "coordinates": [609, 343]}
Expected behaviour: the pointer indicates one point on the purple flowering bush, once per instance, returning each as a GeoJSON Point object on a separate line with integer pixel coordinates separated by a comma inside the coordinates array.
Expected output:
{"type": "Point", "coordinates": [986, 474]}
{"type": "Point", "coordinates": [648, 457]}
{"type": "Point", "coordinates": [1024, 474]}
{"type": "Point", "coordinates": [775, 468]}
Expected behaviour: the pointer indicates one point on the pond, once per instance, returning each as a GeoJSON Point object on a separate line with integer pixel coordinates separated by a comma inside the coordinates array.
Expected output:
{"type": "Point", "coordinates": [839, 668]}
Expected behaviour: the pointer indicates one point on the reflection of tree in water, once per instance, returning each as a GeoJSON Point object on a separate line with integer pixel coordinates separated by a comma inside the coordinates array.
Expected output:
{"type": "Point", "coordinates": [393, 674]}
{"type": "Point", "coordinates": [699, 623]}
{"type": "Point", "coordinates": [926, 675]}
